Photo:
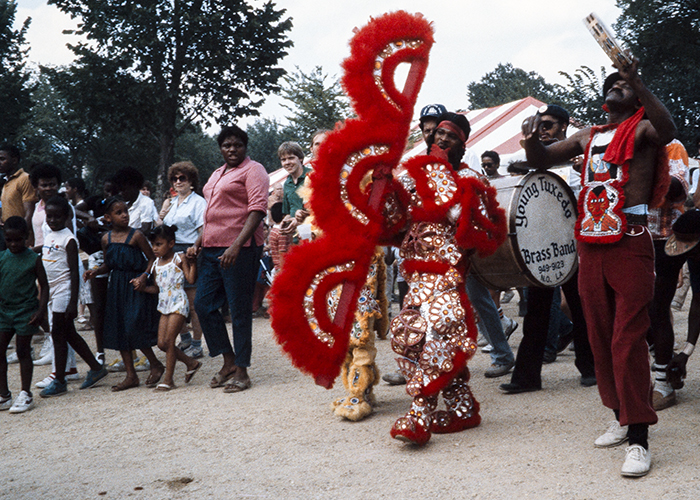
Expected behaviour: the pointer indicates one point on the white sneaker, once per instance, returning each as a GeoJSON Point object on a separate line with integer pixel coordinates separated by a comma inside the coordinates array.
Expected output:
{"type": "Point", "coordinates": [44, 360]}
{"type": "Point", "coordinates": [637, 461]}
{"type": "Point", "coordinates": [6, 404]}
{"type": "Point", "coordinates": [43, 384]}
{"type": "Point", "coordinates": [73, 374]}
{"type": "Point", "coordinates": [12, 358]}
{"type": "Point", "coordinates": [507, 296]}
{"type": "Point", "coordinates": [614, 436]}
{"type": "Point", "coordinates": [487, 348]}
{"type": "Point", "coordinates": [24, 402]}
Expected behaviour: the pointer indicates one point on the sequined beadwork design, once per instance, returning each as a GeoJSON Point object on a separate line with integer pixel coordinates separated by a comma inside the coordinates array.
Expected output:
{"type": "Point", "coordinates": [331, 302]}
{"type": "Point", "coordinates": [347, 169]}
{"type": "Point", "coordinates": [388, 51]}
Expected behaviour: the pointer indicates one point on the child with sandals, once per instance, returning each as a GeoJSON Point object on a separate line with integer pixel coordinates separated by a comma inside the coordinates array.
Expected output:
{"type": "Point", "coordinates": [169, 271]}
{"type": "Point", "coordinates": [130, 321]}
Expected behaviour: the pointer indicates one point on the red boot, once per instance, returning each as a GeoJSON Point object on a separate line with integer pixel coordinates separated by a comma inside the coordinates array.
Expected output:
{"type": "Point", "coordinates": [414, 427]}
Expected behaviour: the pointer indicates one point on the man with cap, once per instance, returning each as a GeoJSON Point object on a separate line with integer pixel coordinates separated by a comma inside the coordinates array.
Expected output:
{"type": "Point", "coordinates": [527, 375]}
{"type": "Point", "coordinates": [429, 119]}
{"type": "Point", "coordinates": [684, 243]}
{"type": "Point", "coordinates": [554, 120]}
{"type": "Point", "coordinates": [616, 264]}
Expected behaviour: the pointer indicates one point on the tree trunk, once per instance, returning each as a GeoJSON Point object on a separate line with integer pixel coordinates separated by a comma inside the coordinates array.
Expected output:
{"type": "Point", "coordinates": [167, 151]}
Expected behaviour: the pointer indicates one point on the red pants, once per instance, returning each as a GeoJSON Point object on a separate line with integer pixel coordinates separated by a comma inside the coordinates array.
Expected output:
{"type": "Point", "coordinates": [616, 283]}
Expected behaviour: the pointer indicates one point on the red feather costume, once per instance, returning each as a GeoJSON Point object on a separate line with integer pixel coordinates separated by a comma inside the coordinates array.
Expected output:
{"type": "Point", "coordinates": [438, 215]}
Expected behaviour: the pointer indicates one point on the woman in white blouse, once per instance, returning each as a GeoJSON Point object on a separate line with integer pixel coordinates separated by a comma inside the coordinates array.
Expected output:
{"type": "Point", "coordinates": [186, 211]}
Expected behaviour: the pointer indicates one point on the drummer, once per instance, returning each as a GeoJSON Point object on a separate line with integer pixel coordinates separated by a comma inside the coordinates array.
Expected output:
{"type": "Point", "coordinates": [527, 375]}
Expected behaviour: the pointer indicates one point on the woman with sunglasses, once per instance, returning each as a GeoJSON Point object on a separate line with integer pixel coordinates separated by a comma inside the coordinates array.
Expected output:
{"type": "Point", "coordinates": [186, 211]}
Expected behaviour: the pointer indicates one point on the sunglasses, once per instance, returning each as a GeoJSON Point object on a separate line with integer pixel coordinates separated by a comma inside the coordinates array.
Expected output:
{"type": "Point", "coordinates": [547, 124]}
{"type": "Point", "coordinates": [179, 178]}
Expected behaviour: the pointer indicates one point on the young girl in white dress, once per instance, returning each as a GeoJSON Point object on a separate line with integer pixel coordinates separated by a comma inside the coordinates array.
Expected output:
{"type": "Point", "coordinates": [169, 271]}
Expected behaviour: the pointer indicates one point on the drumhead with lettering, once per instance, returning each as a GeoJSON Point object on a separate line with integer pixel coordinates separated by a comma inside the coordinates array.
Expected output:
{"type": "Point", "coordinates": [541, 247]}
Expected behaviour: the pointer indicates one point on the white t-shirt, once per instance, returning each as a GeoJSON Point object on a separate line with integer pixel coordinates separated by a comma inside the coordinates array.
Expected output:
{"type": "Point", "coordinates": [54, 255]}
{"type": "Point", "coordinates": [39, 225]}
{"type": "Point", "coordinates": [55, 259]}
{"type": "Point", "coordinates": [142, 211]}
{"type": "Point", "coordinates": [188, 216]}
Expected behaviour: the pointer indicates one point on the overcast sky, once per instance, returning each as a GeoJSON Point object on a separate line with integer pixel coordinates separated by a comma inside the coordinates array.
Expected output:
{"type": "Point", "coordinates": [471, 38]}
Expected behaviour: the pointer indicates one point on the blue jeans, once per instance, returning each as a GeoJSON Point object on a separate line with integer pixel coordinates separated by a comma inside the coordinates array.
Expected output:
{"type": "Point", "coordinates": [215, 286]}
{"type": "Point", "coordinates": [483, 304]}
{"type": "Point", "coordinates": [559, 323]}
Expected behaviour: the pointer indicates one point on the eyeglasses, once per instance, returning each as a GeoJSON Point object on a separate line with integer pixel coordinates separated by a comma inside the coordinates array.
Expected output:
{"type": "Point", "coordinates": [547, 124]}
{"type": "Point", "coordinates": [179, 178]}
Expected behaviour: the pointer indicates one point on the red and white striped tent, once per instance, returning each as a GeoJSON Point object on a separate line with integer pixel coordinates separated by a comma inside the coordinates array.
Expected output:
{"type": "Point", "coordinates": [496, 129]}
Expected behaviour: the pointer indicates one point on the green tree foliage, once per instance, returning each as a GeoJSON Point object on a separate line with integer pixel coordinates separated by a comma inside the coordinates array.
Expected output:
{"type": "Point", "coordinates": [582, 95]}
{"type": "Point", "coordinates": [199, 148]}
{"type": "Point", "coordinates": [14, 79]}
{"type": "Point", "coordinates": [55, 133]}
{"type": "Point", "coordinates": [63, 131]}
{"type": "Point", "coordinates": [264, 137]}
{"type": "Point", "coordinates": [170, 63]}
{"type": "Point", "coordinates": [316, 101]}
{"type": "Point", "coordinates": [665, 36]}
{"type": "Point", "coordinates": [507, 83]}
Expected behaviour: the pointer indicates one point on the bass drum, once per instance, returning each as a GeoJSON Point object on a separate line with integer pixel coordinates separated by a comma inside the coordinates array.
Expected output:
{"type": "Point", "coordinates": [541, 247]}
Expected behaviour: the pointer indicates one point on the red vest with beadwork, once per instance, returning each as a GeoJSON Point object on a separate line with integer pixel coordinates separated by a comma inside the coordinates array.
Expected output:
{"type": "Point", "coordinates": [600, 216]}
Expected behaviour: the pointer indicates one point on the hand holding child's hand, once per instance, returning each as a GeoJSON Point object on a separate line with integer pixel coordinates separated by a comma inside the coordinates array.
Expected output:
{"type": "Point", "coordinates": [139, 283]}
{"type": "Point", "coordinates": [88, 275]}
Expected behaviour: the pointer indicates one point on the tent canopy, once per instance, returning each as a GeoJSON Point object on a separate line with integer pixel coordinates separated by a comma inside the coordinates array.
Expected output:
{"type": "Point", "coordinates": [496, 129]}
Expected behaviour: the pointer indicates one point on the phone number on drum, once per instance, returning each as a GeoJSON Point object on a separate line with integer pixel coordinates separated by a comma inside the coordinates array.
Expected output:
{"type": "Point", "coordinates": [554, 266]}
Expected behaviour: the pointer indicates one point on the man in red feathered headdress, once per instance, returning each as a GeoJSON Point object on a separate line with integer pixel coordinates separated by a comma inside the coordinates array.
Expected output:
{"type": "Point", "coordinates": [616, 261]}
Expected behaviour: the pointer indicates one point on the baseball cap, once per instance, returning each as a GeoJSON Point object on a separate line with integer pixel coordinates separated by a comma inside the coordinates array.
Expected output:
{"type": "Point", "coordinates": [554, 110]}
{"type": "Point", "coordinates": [432, 111]}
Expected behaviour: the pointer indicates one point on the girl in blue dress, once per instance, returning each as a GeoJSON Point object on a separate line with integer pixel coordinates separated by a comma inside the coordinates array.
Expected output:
{"type": "Point", "coordinates": [131, 320]}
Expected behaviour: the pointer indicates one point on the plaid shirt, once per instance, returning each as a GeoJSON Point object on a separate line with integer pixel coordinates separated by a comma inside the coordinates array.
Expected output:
{"type": "Point", "coordinates": [279, 245]}
{"type": "Point", "coordinates": [661, 219]}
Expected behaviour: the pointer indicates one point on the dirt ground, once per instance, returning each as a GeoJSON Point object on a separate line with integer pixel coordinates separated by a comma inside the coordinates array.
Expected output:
{"type": "Point", "coordinates": [280, 440]}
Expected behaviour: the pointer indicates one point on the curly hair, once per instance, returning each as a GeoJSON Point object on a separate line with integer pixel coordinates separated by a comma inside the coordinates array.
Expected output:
{"type": "Point", "coordinates": [186, 168]}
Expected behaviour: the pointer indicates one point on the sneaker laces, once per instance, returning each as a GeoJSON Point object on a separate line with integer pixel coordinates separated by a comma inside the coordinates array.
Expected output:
{"type": "Point", "coordinates": [635, 452]}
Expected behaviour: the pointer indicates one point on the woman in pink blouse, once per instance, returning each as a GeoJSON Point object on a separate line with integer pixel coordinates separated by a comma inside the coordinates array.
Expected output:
{"type": "Point", "coordinates": [230, 246]}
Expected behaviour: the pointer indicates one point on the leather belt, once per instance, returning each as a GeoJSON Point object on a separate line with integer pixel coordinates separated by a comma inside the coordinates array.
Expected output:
{"type": "Point", "coordinates": [636, 219]}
